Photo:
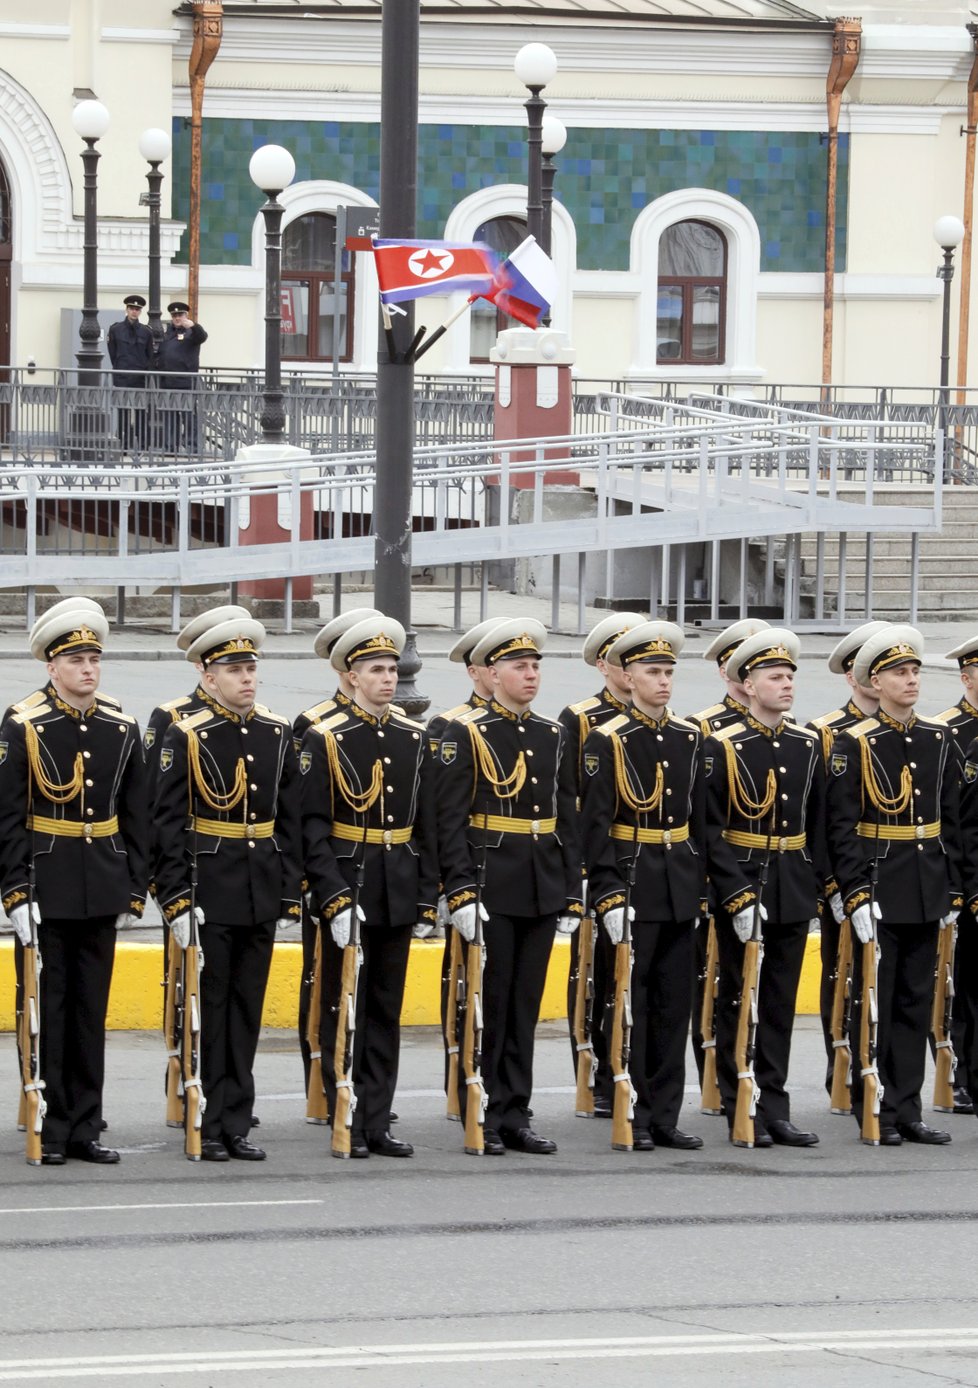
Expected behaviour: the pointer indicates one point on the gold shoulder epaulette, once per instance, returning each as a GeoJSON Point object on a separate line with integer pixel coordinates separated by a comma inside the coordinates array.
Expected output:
{"type": "Point", "coordinates": [585, 706]}
{"type": "Point", "coordinates": [826, 720]}
{"type": "Point", "coordinates": [32, 701]}
{"type": "Point", "coordinates": [118, 713]}
{"type": "Point", "coordinates": [712, 712]}
{"type": "Point", "coordinates": [27, 714]}
{"type": "Point", "coordinates": [109, 699]}
{"type": "Point", "coordinates": [868, 725]}
{"type": "Point", "coordinates": [193, 721]}
{"type": "Point", "coordinates": [173, 706]}
{"type": "Point", "coordinates": [946, 716]}
{"type": "Point", "coordinates": [402, 717]}
{"type": "Point", "coordinates": [471, 715]}
{"type": "Point", "coordinates": [325, 725]}
{"type": "Point", "coordinates": [686, 723]}
{"type": "Point", "coordinates": [318, 711]}
{"type": "Point", "coordinates": [451, 714]}
{"type": "Point", "coordinates": [612, 725]}
{"type": "Point", "coordinates": [731, 730]}
{"type": "Point", "coordinates": [266, 712]}
{"type": "Point", "coordinates": [802, 731]}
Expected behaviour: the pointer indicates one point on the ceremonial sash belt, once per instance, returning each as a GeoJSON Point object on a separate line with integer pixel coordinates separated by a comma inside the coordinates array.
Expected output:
{"type": "Point", "coordinates": [502, 824]}
{"type": "Point", "coordinates": [900, 832]}
{"type": "Point", "coordinates": [352, 834]}
{"type": "Point", "coordinates": [222, 829]}
{"type": "Point", "coordinates": [627, 832]}
{"type": "Point", "coordinates": [742, 839]}
{"type": "Point", "coordinates": [73, 828]}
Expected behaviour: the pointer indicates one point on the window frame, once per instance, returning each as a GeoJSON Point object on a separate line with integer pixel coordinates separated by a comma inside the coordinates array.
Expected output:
{"type": "Point", "coordinates": [314, 279]}
{"type": "Point", "coordinates": [687, 284]}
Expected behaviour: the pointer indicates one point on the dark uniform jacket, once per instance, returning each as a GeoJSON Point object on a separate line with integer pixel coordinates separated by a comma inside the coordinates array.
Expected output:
{"type": "Point", "coordinates": [745, 764]}
{"type": "Point", "coordinates": [962, 721]}
{"type": "Point", "coordinates": [179, 351]}
{"type": "Point", "coordinates": [579, 720]}
{"type": "Point", "coordinates": [309, 717]}
{"type": "Point", "coordinates": [528, 873]}
{"type": "Point", "coordinates": [130, 352]}
{"type": "Point", "coordinates": [249, 853]}
{"type": "Point", "coordinates": [622, 758]}
{"type": "Point", "coordinates": [969, 829]}
{"type": "Point", "coordinates": [72, 794]}
{"type": "Point", "coordinates": [913, 792]}
{"type": "Point", "coordinates": [162, 718]}
{"type": "Point", "coordinates": [435, 727]}
{"type": "Point", "coordinates": [721, 715]}
{"type": "Point", "coordinates": [361, 774]}
{"type": "Point", "coordinates": [829, 725]}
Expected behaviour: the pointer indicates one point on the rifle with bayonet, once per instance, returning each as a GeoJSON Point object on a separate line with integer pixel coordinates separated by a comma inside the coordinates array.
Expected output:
{"type": "Point", "coordinates": [346, 1019]}
{"type": "Point", "coordinates": [587, 1061]}
{"type": "Point", "coordinates": [872, 1087]}
{"type": "Point", "coordinates": [623, 1105]}
{"type": "Point", "coordinates": [191, 965]}
{"type": "Point", "coordinates": [710, 1101]}
{"type": "Point", "coordinates": [30, 1031]}
{"type": "Point", "coordinates": [943, 1006]}
{"type": "Point", "coordinates": [173, 1016]}
{"type": "Point", "coordinates": [453, 982]}
{"type": "Point", "coordinates": [745, 1044]}
{"type": "Point", "coordinates": [475, 963]}
{"type": "Point", "coordinates": [317, 1109]}
{"type": "Point", "coordinates": [841, 1100]}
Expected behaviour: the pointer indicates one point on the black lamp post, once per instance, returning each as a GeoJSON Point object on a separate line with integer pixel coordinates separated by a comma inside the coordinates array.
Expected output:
{"type": "Point", "coordinates": [154, 146]}
{"type": "Point", "coordinates": [553, 139]}
{"type": "Point", "coordinates": [90, 120]}
{"type": "Point", "coordinates": [948, 233]}
{"type": "Point", "coordinates": [535, 65]}
{"type": "Point", "coordinates": [272, 168]}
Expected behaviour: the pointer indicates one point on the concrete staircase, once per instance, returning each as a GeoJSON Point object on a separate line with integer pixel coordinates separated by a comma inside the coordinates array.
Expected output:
{"type": "Point", "coordinates": [948, 572]}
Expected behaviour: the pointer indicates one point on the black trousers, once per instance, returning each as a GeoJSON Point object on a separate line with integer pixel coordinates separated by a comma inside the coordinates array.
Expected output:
{"type": "Point", "coordinates": [237, 959]}
{"type": "Point", "coordinates": [662, 977]}
{"type": "Point", "coordinates": [701, 938]}
{"type": "Point", "coordinates": [377, 1040]}
{"type": "Point", "coordinates": [517, 954]}
{"type": "Point", "coordinates": [604, 973]}
{"type": "Point", "coordinates": [905, 992]}
{"type": "Point", "coordinates": [309, 927]}
{"type": "Point", "coordinates": [784, 954]}
{"type": "Point", "coordinates": [77, 958]}
{"type": "Point", "coordinates": [829, 951]}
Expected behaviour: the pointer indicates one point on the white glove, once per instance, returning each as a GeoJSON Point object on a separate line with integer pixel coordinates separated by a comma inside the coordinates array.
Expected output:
{"type": "Point", "coordinates": [464, 920]}
{"type": "Point", "coordinates": [339, 926]}
{"type": "Point", "coordinates": [20, 919]}
{"type": "Point", "coordinates": [614, 922]}
{"type": "Point", "coordinates": [566, 925]}
{"type": "Point", "coordinates": [949, 919]}
{"type": "Point", "coordinates": [444, 916]}
{"type": "Point", "coordinates": [126, 920]}
{"type": "Point", "coordinates": [283, 923]}
{"type": "Point", "coordinates": [180, 926]}
{"type": "Point", "coordinates": [862, 921]}
{"type": "Point", "coordinates": [423, 930]}
{"type": "Point", "coordinates": [836, 907]}
{"type": "Point", "coordinates": [743, 922]}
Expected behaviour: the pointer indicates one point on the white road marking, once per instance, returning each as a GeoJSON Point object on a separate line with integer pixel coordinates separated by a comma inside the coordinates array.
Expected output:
{"type": "Point", "coordinates": [167, 1205]}
{"type": "Point", "coordinates": [485, 1351]}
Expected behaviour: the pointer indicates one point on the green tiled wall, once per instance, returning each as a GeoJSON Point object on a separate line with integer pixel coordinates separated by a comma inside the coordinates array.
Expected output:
{"type": "Point", "coordinates": [605, 178]}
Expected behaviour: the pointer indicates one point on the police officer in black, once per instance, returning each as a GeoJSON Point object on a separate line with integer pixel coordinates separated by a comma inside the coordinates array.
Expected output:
{"type": "Point", "coordinates": [505, 789]}
{"type": "Point", "coordinates": [73, 852]}
{"type": "Point", "coordinates": [643, 807]}
{"type": "Point", "coordinates": [178, 361]}
{"type": "Point", "coordinates": [227, 810]}
{"type": "Point", "coordinates": [893, 806]}
{"type": "Point", "coordinates": [765, 802]}
{"type": "Point", "coordinates": [366, 800]}
{"type": "Point", "coordinates": [130, 345]}
{"type": "Point", "coordinates": [578, 720]}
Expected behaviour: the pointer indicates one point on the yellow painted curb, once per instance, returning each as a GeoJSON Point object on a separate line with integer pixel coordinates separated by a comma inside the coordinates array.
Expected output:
{"type": "Point", "coordinates": [136, 1000]}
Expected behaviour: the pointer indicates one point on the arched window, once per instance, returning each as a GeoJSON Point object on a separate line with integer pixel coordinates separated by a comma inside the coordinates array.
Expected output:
{"type": "Point", "coordinates": [312, 317]}
{"type": "Point", "coordinates": [503, 234]}
{"type": "Point", "coordinates": [692, 295]}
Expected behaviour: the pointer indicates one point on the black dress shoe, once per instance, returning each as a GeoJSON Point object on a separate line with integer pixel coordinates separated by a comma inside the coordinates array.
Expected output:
{"type": "Point", "coordinates": [674, 1137]}
{"type": "Point", "coordinates": [255, 1121]}
{"type": "Point", "coordinates": [359, 1150]}
{"type": "Point", "coordinates": [492, 1143]}
{"type": "Point", "coordinates": [889, 1137]}
{"type": "Point", "coordinates": [242, 1150]}
{"type": "Point", "coordinates": [962, 1101]}
{"type": "Point", "coordinates": [762, 1138]}
{"type": "Point", "coordinates": [213, 1150]}
{"type": "Point", "coordinates": [921, 1132]}
{"type": "Point", "coordinates": [785, 1134]}
{"type": "Point", "coordinates": [103, 1127]}
{"type": "Point", "coordinates": [602, 1106]}
{"type": "Point", "coordinates": [52, 1156]}
{"type": "Point", "coordinates": [94, 1152]}
{"type": "Point", "coordinates": [384, 1145]}
{"type": "Point", "coordinates": [642, 1140]}
{"type": "Point", "coordinates": [394, 1118]}
{"type": "Point", "coordinates": [526, 1140]}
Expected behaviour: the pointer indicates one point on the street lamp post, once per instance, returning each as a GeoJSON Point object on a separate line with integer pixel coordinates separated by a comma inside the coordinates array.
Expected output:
{"type": "Point", "coordinates": [90, 120]}
{"type": "Point", "coordinates": [535, 65]}
{"type": "Point", "coordinates": [154, 146]}
{"type": "Point", "coordinates": [272, 168]}
{"type": "Point", "coordinates": [948, 233]}
{"type": "Point", "coordinates": [553, 139]}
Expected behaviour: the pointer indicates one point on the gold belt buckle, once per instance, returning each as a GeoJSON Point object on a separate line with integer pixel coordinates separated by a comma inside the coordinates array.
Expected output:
{"type": "Point", "coordinates": [88, 831]}
{"type": "Point", "coordinates": [920, 831]}
{"type": "Point", "coordinates": [667, 836]}
{"type": "Point", "coordinates": [388, 837]}
{"type": "Point", "coordinates": [249, 831]}
{"type": "Point", "coordinates": [782, 845]}
{"type": "Point", "coordinates": [534, 827]}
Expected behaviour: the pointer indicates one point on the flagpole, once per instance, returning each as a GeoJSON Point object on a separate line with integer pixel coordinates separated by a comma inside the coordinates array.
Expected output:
{"type": "Point", "coordinates": [443, 328]}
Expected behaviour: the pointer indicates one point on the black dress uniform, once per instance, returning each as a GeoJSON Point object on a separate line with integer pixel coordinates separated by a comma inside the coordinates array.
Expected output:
{"type": "Point", "coordinates": [366, 797]}
{"type": "Point", "coordinates": [643, 799]}
{"type": "Point", "coordinates": [506, 792]}
{"type": "Point", "coordinates": [901, 778]}
{"type": "Point", "coordinates": [79, 777]}
{"type": "Point", "coordinates": [968, 918]}
{"type": "Point", "coordinates": [227, 798]}
{"type": "Point", "coordinates": [131, 351]}
{"type": "Point", "coordinates": [765, 798]}
{"type": "Point", "coordinates": [178, 362]}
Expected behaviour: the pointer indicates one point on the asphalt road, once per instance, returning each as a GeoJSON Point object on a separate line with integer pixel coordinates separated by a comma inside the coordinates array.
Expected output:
{"type": "Point", "coordinates": [841, 1265]}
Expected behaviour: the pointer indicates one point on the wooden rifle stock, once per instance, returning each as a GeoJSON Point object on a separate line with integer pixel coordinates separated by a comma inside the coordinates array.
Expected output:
{"type": "Point", "coordinates": [317, 1109]}
{"type": "Point", "coordinates": [191, 964]}
{"type": "Point", "coordinates": [475, 964]}
{"type": "Point", "coordinates": [841, 1101]}
{"type": "Point", "coordinates": [346, 1019]}
{"type": "Point", "coordinates": [944, 1058]}
{"type": "Point", "coordinates": [710, 1101]}
{"type": "Point", "coordinates": [869, 1130]}
{"type": "Point", "coordinates": [623, 1102]}
{"type": "Point", "coordinates": [584, 1018]}
{"type": "Point", "coordinates": [30, 1048]}
{"type": "Point", "coordinates": [173, 1021]}
{"type": "Point", "coordinates": [455, 1003]}
{"type": "Point", "coordinates": [745, 1043]}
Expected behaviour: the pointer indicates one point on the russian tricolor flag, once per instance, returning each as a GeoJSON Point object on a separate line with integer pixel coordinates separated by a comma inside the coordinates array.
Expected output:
{"type": "Point", "coordinates": [525, 285]}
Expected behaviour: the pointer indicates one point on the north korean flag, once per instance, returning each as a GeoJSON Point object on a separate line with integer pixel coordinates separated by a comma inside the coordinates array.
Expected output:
{"type": "Point", "coordinates": [410, 269]}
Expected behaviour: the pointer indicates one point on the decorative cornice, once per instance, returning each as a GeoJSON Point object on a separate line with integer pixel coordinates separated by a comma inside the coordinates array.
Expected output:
{"type": "Point", "coordinates": [60, 32]}
{"type": "Point", "coordinates": [132, 35]}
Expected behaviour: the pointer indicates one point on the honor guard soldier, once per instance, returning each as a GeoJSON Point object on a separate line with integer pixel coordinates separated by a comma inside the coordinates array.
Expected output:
{"type": "Point", "coordinates": [893, 831]}
{"type": "Point", "coordinates": [709, 720]}
{"type": "Point", "coordinates": [507, 812]}
{"type": "Point", "coordinates": [130, 346]}
{"type": "Point", "coordinates": [40, 696]}
{"type": "Point", "coordinates": [578, 721]}
{"type": "Point", "coordinates": [962, 722]}
{"type": "Point", "coordinates": [73, 830]}
{"type": "Point", "coordinates": [644, 819]}
{"type": "Point", "coordinates": [862, 702]}
{"type": "Point", "coordinates": [765, 805]}
{"type": "Point", "coordinates": [368, 832]}
{"type": "Point", "coordinates": [228, 846]}
{"type": "Point", "coordinates": [326, 639]}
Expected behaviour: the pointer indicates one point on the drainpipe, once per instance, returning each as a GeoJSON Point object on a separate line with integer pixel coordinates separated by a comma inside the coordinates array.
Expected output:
{"type": "Point", "coordinates": [846, 41]}
{"type": "Point", "coordinates": [208, 27]}
{"type": "Point", "coordinates": [969, 131]}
